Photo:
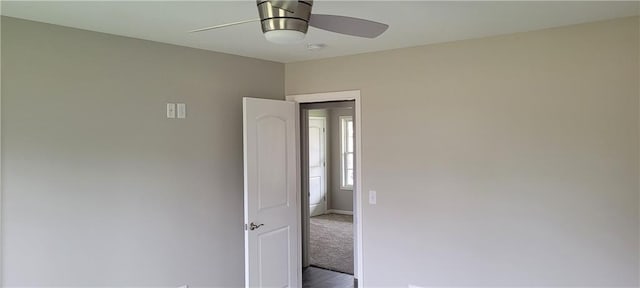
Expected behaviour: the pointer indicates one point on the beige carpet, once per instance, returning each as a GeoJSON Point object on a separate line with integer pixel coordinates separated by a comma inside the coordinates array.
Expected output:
{"type": "Point", "coordinates": [331, 242]}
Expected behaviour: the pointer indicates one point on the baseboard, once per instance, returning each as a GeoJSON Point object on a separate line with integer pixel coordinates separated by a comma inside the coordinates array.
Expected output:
{"type": "Point", "coordinates": [343, 212]}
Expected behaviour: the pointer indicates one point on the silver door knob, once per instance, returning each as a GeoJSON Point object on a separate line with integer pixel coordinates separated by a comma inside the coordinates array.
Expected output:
{"type": "Point", "coordinates": [253, 226]}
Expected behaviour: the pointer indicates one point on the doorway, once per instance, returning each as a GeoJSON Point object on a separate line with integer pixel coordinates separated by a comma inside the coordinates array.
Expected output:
{"type": "Point", "coordinates": [328, 131]}
{"type": "Point", "coordinates": [273, 197]}
{"type": "Point", "coordinates": [329, 194]}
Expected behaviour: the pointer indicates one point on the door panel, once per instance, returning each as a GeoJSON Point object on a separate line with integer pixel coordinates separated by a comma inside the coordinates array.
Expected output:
{"type": "Point", "coordinates": [315, 197]}
{"type": "Point", "coordinates": [274, 254]}
{"type": "Point", "coordinates": [272, 161]}
{"type": "Point", "coordinates": [270, 197]}
{"type": "Point", "coordinates": [314, 143]}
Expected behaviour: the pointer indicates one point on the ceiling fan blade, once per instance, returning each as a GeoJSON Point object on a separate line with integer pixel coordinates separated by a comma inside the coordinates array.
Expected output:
{"type": "Point", "coordinates": [288, 5]}
{"type": "Point", "coordinates": [224, 25]}
{"type": "Point", "coordinates": [348, 25]}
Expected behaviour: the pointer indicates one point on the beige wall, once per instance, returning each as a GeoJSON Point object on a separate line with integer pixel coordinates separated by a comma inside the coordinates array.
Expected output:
{"type": "Point", "coordinates": [100, 189]}
{"type": "Point", "coordinates": [509, 160]}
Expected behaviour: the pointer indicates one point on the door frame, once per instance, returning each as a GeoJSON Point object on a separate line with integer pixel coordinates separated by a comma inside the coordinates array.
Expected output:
{"type": "Point", "coordinates": [327, 97]}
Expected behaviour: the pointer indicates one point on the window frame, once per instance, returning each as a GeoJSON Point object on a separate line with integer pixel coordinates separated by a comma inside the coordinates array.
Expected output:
{"type": "Point", "coordinates": [344, 153]}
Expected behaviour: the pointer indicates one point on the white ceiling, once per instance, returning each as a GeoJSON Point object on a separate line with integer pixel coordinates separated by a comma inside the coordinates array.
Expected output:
{"type": "Point", "coordinates": [412, 23]}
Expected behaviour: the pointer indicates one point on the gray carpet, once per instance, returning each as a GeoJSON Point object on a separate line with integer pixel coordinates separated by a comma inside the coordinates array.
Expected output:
{"type": "Point", "coordinates": [331, 242]}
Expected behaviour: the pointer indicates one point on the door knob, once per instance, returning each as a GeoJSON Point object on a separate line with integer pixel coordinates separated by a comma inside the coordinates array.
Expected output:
{"type": "Point", "coordinates": [253, 226]}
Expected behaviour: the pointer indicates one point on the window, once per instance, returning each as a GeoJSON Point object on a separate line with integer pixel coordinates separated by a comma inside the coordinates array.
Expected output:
{"type": "Point", "coordinates": [346, 152]}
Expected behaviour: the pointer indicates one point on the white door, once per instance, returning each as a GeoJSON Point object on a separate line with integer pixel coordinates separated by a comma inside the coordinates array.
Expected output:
{"type": "Point", "coordinates": [270, 198]}
{"type": "Point", "coordinates": [317, 166]}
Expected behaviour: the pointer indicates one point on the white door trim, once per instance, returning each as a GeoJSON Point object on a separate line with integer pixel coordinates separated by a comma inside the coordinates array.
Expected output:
{"type": "Point", "coordinates": [339, 96]}
{"type": "Point", "coordinates": [1, 197]}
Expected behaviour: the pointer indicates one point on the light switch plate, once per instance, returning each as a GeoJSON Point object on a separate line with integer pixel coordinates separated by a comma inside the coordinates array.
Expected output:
{"type": "Point", "coordinates": [182, 110]}
{"type": "Point", "coordinates": [372, 197]}
{"type": "Point", "coordinates": [171, 110]}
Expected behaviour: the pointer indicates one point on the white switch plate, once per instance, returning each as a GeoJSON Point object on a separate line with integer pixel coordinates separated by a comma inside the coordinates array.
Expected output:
{"type": "Point", "coordinates": [171, 110]}
{"type": "Point", "coordinates": [372, 197]}
{"type": "Point", "coordinates": [182, 110]}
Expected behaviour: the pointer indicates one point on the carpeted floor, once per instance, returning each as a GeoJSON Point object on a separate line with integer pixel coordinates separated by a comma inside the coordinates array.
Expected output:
{"type": "Point", "coordinates": [331, 242]}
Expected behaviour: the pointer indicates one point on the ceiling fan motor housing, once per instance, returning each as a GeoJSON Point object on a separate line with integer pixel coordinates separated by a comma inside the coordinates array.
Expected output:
{"type": "Point", "coordinates": [274, 19]}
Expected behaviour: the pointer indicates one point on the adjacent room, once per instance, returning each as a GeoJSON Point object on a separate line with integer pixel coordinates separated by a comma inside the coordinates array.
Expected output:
{"type": "Point", "coordinates": [317, 144]}
{"type": "Point", "coordinates": [330, 177]}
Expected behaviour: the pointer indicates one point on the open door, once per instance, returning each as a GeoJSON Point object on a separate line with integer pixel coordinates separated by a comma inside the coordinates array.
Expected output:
{"type": "Point", "coordinates": [270, 197]}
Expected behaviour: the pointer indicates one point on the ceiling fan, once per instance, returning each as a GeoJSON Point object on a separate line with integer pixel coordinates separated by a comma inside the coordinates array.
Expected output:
{"type": "Point", "coordinates": [287, 21]}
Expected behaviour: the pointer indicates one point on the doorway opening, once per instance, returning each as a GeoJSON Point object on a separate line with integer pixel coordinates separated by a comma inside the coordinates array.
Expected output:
{"type": "Point", "coordinates": [328, 198]}
{"type": "Point", "coordinates": [274, 201]}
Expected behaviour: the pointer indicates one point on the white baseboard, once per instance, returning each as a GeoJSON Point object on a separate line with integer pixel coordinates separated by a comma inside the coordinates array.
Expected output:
{"type": "Point", "coordinates": [343, 212]}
